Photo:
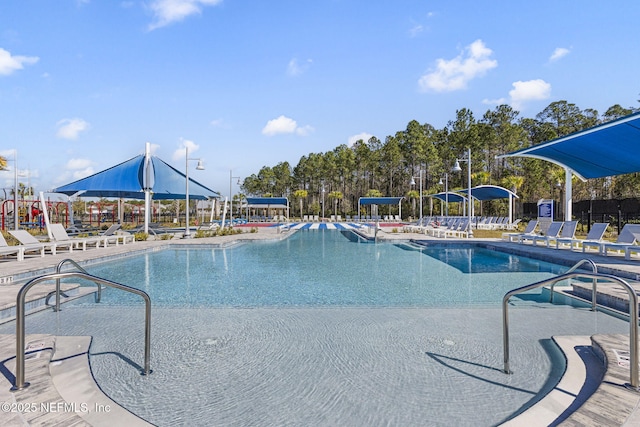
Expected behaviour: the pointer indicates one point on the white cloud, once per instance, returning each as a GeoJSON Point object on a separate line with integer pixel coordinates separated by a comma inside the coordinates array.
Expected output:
{"type": "Point", "coordinates": [71, 128]}
{"type": "Point", "coordinates": [454, 74]}
{"type": "Point", "coordinates": [181, 152]}
{"type": "Point", "coordinates": [415, 30]}
{"type": "Point", "coordinates": [295, 67]}
{"type": "Point", "coordinates": [9, 63]}
{"type": "Point", "coordinates": [498, 101]}
{"type": "Point", "coordinates": [284, 124]}
{"type": "Point", "coordinates": [217, 123]}
{"type": "Point", "coordinates": [361, 136]}
{"type": "Point", "coordinates": [558, 53]}
{"type": "Point", "coordinates": [76, 169]}
{"type": "Point", "coordinates": [83, 173]}
{"type": "Point", "coordinates": [532, 90]}
{"type": "Point", "coordinates": [74, 164]}
{"type": "Point", "coordinates": [169, 11]}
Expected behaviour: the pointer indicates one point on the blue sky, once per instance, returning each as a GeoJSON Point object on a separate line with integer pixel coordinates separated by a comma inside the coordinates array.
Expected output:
{"type": "Point", "coordinates": [84, 84]}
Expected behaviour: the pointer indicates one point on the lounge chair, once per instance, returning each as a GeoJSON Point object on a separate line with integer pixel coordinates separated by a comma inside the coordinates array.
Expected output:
{"type": "Point", "coordinates": [529, 230]}
{"type": "Point", "coordinates": [568, 232]}
{"type": "Point", "coordinates": [552, 232]}
{"type": "Point", "coordinates": [5, 249]}
{"type": "Point", "coordinates": [110, 235]}
{"type": "Point", "coordinates": [60, 236]}
{"type": "Point", "coordinates": [627, 238]}
{"type": "Point", "coordinates": [595, 235]}
{"type": "Point", "coordinates": [33, 244]}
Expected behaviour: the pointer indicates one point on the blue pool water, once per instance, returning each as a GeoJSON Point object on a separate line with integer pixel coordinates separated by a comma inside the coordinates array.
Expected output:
{"type": "Point", "coordinates": [324, 268]}
{"type": "Point", "coordinates": [320, 329]}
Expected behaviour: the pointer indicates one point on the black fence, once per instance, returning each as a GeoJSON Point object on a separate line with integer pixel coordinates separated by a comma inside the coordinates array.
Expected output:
{"type": "Point", "coordinates": [615, 212]}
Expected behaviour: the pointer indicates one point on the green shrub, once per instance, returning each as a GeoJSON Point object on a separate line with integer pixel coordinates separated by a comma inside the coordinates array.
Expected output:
{"type": "Point", "coordinates": [141, 236]}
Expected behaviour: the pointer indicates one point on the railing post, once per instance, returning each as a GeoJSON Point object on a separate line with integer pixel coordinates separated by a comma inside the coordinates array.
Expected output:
{"type": "Point", "coordinates": [19, 383]}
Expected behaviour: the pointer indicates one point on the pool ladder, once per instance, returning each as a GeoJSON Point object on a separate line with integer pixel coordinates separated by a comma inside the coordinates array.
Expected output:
{"type": "Point", "coordinates": [20, 383]}
{"type": "Point", "coordinates": [594, 276]}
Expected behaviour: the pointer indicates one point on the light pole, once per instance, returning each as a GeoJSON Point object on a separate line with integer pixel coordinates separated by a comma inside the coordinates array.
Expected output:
{"type": "Point", "coordinates": [199, 166]}
{"type": "Point", "coordinates": [231, 177]}
{"type": "Point", "coordinates": [413, 182]}
{"type": "Point", "coordinates": [446, 192]}
{"type": "Point", "coordinates": [322, 220]}
{"type": "Point", "coordinates": [457, 168]}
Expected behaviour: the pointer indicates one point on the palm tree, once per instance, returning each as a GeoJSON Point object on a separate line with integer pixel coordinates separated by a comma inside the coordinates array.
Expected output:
{"type": "Point", "coordinates": [335, 196]}
{"type": "Point", "coordinates": [413, 195]}
{"type": "Point", "coordinates": [300, 195]}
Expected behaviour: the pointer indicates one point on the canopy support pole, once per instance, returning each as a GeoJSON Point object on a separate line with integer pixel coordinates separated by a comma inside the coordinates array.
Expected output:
{"type": "Point", "coordinates": [568, 196]}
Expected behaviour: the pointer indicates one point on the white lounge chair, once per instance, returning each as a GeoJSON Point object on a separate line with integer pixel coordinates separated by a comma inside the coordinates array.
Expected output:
{"type": "Point", "coordinates": [595, 235]}
{"type": "Point", "coordinates": [552, 232]}
{"type": "Point", "coordinates": [568, 232]}
{"type": "Point", "coordinates": [60, 236]}
{"type": "Point", "coordinates": [111, 234]}
{"type": "Point", "coordinates": [627, 238]}
{"type": "Point", "coordinates": [529, 230]}
{"type": "Point", "coordinates": [29, 241]}
{"type": "Point", "coordinates": [5, 249]}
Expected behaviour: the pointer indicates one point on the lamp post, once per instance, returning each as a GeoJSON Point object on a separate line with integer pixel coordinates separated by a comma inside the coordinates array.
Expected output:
{"type": "Point", "coordinates": [413, 182]}
{"type": "Point", "coordinates": [457, 168]}
{"type": "Point", "coordinates": [231, 177]}
{"type": "Point", "coordinates": [446, 192]}
{"type": "Point", "coordinates": [199, 166]}
{"type": "Point", "coordinates": [322, 220]}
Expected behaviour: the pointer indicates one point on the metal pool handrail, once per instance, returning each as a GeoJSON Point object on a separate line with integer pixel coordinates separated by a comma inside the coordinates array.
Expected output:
{"type": "Point", "coordinates": [20, 383]}
{"type": "Point", "coordinates": [594, 269]}
{"type": "Point", "coordinates": [633, 316]}
{"type": "Point", "coordinates": [98, 295]}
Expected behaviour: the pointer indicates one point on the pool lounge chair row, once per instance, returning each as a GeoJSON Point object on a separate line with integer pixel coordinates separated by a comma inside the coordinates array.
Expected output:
{"type": "Point", "coordinates": [562, 234]}
{"type": "Point", "coordinates": [29, 244]}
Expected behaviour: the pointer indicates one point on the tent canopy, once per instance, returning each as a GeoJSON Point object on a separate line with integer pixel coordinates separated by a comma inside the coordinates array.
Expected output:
{"type": "Point", "coordinates": [605, 150]}
{"type": "Point", "coordinates": [379, 200]}
{"type": "Point", "coordinates": [127, 181]}
{"type": "Point", "coordinates": [268, 202]}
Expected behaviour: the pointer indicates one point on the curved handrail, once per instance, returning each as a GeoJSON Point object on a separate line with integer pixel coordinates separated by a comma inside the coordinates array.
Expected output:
{"type": "Point", "coordinates": [98, 296]}
{"type": "Point", "coordinates": [594, 269]}
{"type": "Point", "coordinates": [20, 319]}
{"type": "Point", "coordinates": [633, 316]}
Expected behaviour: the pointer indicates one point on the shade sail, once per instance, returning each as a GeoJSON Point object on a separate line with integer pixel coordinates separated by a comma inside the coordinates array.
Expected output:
{"type": "Point", "coordinates": [605, 150]}
{"type": "Point", "coordinates": [450, 197]}
{"type": "Point", "coordinates": [268, 202]}
{"type": "Point", "coordinates": [490, 192]}
{"type": "Point", "coordinates": [379, 200]}
{"type": "Point", "coordinates": [126, 181]}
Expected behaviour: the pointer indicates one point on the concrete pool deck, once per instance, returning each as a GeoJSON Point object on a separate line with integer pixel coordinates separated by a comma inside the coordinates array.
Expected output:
{"type": "Point", "coordinates": [617, 402]}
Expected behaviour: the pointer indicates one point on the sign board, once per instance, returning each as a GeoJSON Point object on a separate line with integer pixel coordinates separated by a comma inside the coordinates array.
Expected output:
{"type": "Point", "coordinates": [545, 214]}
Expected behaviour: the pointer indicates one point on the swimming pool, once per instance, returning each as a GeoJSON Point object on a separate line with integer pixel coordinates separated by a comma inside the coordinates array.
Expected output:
{"type": "Point", "coordinates": [318, 329]}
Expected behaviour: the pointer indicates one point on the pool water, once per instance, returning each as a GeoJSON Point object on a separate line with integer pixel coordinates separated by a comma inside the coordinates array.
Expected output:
{"type": "Point", "coordinates": [318, 329]}
{"type": "Point", "coordinates": [323, 268]}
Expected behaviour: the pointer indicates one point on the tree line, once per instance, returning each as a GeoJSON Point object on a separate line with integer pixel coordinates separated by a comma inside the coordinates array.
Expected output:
{"type": "Point", "coordinates": [387, 168]}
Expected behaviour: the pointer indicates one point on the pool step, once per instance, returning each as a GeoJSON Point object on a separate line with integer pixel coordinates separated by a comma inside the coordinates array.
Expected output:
{"type": "Point", "coordinates": [36, 298]}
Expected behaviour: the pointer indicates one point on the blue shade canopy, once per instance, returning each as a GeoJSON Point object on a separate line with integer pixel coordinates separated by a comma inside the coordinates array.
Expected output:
{"type": "Point", "coordinates": [605, 150]}
{"type": "Point", "coordinates": [490, 192]}
{"type": "Point", "coordinates": [451, 197]}
{"type": "Point", "coordinates": [272, 202]}
{"type": "Point", "coordinates": [379, 200]}
{"type": "Point", "coordinates": [126, 181]}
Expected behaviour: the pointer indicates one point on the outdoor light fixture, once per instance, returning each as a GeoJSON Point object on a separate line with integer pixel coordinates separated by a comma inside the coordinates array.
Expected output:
{"type": "Point", "coordinates": [231, 177]}
{"type": "Point", "coordinates": [199, 166]}
{"type": "Point", "coordinates": [457, 168]}
{"type": "Point", "coordinates": [413, 182]}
